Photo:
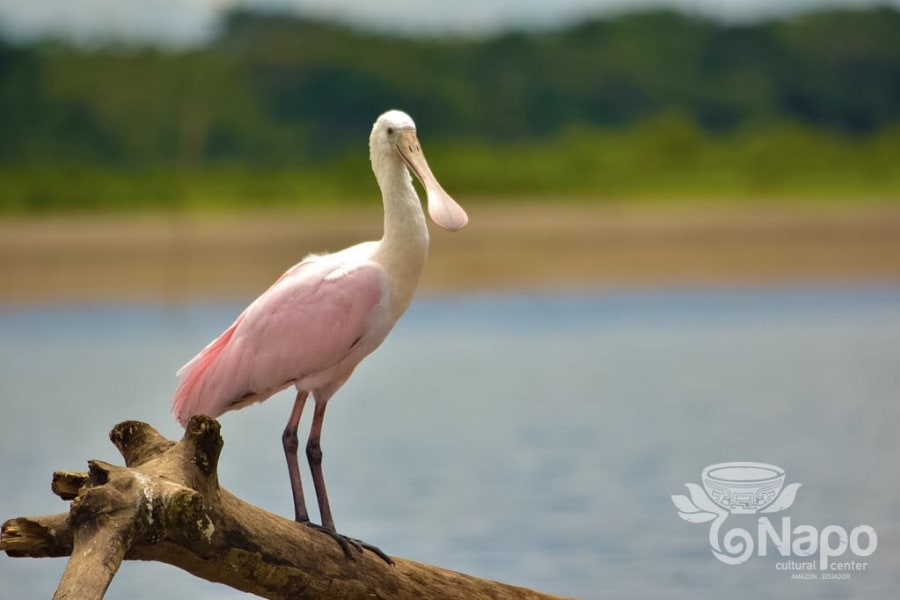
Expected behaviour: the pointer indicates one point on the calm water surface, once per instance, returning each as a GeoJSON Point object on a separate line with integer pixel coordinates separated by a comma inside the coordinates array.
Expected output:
{"type": "Point", "coordinates": [531, 439]}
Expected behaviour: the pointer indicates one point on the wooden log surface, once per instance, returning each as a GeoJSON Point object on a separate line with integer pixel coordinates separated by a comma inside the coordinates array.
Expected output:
{"type": "Point", "coordinates": [166, 505]}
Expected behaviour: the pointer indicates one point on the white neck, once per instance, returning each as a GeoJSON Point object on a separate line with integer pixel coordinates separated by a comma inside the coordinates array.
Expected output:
{"type": "Point", "coordinates": [403, 249]}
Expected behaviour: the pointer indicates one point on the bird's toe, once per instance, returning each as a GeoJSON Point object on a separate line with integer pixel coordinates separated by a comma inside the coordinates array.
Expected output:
{"type": "Point", "coordinates": [349, 544]}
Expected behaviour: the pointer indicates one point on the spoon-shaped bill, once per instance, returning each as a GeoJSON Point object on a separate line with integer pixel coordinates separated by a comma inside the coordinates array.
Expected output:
{"type": "Point", "coordinates": [443, 209]}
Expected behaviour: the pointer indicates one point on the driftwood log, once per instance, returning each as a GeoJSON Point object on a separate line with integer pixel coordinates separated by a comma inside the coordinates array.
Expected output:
{"type": "Point", "coordinates": [166, 505]}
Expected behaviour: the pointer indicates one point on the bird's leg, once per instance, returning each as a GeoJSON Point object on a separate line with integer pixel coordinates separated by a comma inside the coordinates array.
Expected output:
{"type": "Point", "coordinates": [314, 455]}
{"type": "Point", "coordinates": [291, 445]}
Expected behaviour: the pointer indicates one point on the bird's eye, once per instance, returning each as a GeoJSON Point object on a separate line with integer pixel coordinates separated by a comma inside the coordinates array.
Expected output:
{"type": "Point", "coordinates": [390, 131]}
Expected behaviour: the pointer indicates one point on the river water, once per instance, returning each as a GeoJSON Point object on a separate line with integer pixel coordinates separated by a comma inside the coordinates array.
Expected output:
{"type": "Point", "coordinates": [533, 439]}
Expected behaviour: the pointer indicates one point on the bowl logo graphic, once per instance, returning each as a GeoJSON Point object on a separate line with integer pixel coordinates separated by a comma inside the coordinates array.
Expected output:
{"type": "Point", "coordinates": [734, 488]}
{"type": "Point", "coordinates": [743, 487]}
{"type": "Point", "coordinates": [750, 488]}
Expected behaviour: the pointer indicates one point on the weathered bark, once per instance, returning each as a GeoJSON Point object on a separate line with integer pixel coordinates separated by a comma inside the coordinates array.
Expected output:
{"type": "Point", "coordinates": [166, 505]}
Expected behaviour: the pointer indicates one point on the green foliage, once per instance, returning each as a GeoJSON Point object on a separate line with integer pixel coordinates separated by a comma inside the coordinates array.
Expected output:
{"type": "Point", "coordinates": [669, 158]}
{"type": "Point", "coordinates": [277, 109]}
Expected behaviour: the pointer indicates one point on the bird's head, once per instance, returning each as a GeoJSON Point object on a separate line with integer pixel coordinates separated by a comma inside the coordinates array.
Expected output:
{"type": "Point", "coordinates": [393, 144]}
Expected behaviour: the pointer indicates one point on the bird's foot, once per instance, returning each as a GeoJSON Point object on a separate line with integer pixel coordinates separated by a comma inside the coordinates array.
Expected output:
{"type": "Point", "coordinates": [347, 544]}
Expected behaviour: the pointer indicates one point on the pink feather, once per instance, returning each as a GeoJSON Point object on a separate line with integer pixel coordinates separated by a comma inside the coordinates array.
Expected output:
{"type": "Point", "coordinates": [310, 330]}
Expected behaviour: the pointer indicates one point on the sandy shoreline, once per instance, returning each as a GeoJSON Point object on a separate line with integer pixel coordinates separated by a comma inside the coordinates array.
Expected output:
{"type": "Point", "coordinates": [177, 259]}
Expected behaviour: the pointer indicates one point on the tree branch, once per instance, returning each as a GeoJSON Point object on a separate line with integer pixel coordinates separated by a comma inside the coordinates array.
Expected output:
{"type": "Point", "coordinates": [166, 505]}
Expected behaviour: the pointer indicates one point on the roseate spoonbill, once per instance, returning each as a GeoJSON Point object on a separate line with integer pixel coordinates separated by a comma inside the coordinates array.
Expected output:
{"type": "Point", "coordinates": [325, 314]}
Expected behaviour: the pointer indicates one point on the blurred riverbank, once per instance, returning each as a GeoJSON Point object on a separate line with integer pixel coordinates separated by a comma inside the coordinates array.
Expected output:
{"type": "Point", "coordinates": [534, 246]}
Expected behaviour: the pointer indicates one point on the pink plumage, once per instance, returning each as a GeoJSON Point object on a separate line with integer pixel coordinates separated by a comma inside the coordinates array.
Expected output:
{"type": "Point", "coordinates": [186, 398]}
{"type": "Point", "coordinates": [310, 329]}
{"type": "Point", "coordinates": [324, 315]}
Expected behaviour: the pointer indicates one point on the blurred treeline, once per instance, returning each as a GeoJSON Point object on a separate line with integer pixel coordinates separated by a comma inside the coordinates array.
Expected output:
{"type": "Point", "coordinates": [277, 111]}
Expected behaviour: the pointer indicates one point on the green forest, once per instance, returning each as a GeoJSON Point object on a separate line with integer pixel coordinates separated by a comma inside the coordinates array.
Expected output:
{"type": "Point", "coordinates": [276, 111]}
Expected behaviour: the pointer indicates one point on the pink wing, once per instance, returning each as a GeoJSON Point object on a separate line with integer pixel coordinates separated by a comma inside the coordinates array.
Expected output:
{"type": "Point", "coordinates": [306, 327]}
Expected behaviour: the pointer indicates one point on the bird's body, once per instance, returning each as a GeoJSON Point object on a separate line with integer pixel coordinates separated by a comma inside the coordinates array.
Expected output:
{"type": "Point", "coordinates": [314, 325]}
{"type": "Point", "coordinates": [309, 330]}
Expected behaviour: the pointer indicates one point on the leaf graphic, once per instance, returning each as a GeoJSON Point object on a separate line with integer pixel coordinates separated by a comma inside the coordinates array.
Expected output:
{"type": "Point", "coordinates": [697, 517]}
{"type": "Point", "coordinates": [701, 500]}
{"type": "Point", "coordinates": [684, 504]}
{"type": "Point", "coordinates": [689, 511]}
{"type": "Point", "coordinates": [784, 499]}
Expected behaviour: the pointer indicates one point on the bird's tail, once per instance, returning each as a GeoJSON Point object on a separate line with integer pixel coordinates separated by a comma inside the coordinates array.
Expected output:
{"type": "Point", "coordinates": [188, 399]}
